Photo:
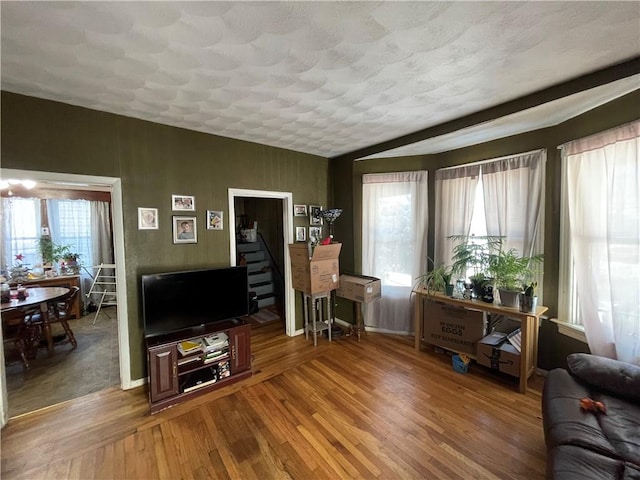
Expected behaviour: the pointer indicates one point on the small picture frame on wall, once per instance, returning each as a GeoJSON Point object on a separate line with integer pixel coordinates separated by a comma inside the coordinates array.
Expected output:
{"type": "Point", "coordinates": [214, 220]}
{"type": "Point", "coordinates": [185, 230]}
{"type": "Point", "coordinates": [314, 219]}
{"type": "Point", "coordinates": [185, 203]}
{"type": "Point", "coordinates": [315, 234]}
{"type": "Point", "coordinates": [301, 234]}
{"type": "Point", "coordinates": [300, 210]}
{"type": "Point", "coordinates": [147, 218]}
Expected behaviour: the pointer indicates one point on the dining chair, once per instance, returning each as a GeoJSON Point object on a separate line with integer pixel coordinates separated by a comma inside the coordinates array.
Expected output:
{"type": "Point", "coordinates": [58, 312]}
{"type": "Point", "coordinates": [15, 332]}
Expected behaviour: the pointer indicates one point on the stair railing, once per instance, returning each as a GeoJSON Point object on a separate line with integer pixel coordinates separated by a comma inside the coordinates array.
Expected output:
{"type": "Point", "coordinates": [279, 277]}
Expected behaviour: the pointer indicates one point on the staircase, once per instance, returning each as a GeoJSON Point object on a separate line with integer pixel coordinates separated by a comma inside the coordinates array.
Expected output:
{"type": "Point", "coordinates": [261, 272]}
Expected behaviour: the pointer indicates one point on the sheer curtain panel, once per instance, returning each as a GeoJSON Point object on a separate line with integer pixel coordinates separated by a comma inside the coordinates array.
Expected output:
{"type": "Point", "coordinates": [394, 238]}
{"type": "Point", "coordinates": [513, 200]}
{"type": "Point", "coordinates": [603, 199]}
{"type": "Point", "coordinates": [455, 194]}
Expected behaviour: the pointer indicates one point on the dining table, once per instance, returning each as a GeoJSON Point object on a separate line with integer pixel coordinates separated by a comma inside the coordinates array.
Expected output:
{"type": "Point", "coordinates": [38, 297]}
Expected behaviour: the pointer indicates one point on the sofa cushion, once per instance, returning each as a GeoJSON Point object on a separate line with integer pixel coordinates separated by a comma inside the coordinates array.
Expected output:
{"type": "Point", "coordinates": [565, 423]}
{"type": "Point", "coordinates": [612, 376]}
{"type": "Point", "coordinates": [568, 462]}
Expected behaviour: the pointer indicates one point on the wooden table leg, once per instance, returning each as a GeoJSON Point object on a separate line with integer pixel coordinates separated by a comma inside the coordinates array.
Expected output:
{"type": "Point", "coordinates": [44, 312]}
{"type": "Point", "coordinates": [418, 324]}
{"type": "Point", "coordinates": [525, 352]}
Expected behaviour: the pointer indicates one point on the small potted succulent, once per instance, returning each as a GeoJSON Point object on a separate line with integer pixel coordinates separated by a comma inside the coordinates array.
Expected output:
{"type": "Point", "coordinates": [528, 299]}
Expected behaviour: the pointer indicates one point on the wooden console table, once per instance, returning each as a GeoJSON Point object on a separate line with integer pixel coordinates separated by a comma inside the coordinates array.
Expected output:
{"type": "Point", "coordinates": [528, 321]}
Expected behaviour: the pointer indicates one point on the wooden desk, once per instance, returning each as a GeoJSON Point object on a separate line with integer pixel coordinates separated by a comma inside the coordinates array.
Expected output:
{"type": "Point", "coordinates": [39, 296]}
{"type": "Point", "coordinates": [64, 281]}
{"type": "Point", "coordinates": [528, 324]}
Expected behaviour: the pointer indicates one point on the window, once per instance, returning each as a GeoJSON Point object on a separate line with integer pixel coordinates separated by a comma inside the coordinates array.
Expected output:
{"type": "Point", "coordinates": [82, 224]}
{"type": "Point", "coordinates": [394, 226]}
{"type": "Point", "coordinates": [497, 198]}
{"type": "Point", "coordinates": [600, 240]}
{"type": "Point", "coordinates": [21, 227]}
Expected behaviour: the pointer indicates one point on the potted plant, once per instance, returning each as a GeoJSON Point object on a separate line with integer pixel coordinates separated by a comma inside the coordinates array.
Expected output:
{"type": "Point", "coordinates": [70, 264]}
{"type": "Point", "coordinates": [438, 279]}
{"type": "Point", "coordinates": [46, 248]}
{"type": "Point", "coordinates": [509, 271]}
{"type": "Point", "coordinates": [472, 253]}
{"type": "Point", "coordinates": [528, 299]}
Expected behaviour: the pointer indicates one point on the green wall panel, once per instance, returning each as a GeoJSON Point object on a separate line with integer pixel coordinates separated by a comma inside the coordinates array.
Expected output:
{"type": "Point", "coordinates": [154, 161]}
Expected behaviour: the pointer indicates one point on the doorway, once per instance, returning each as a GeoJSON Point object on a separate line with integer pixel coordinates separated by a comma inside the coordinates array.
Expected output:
{"type": "Point", "coordinates": [114, 186]}
{"type": "Point", "coordinates": [286, 233]}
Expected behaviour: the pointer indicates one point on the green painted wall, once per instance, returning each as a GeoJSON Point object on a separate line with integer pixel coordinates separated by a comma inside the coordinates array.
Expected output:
{"type": "Point", "coordinates": [154, 161]}
{"type": "Point", "coordinates": [553, 346]}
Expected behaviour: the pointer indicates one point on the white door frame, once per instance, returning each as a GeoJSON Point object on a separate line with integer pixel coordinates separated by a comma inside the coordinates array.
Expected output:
{"type": "Point", "coordinates": [115, 185]}
{"type": "Point", "coordinates": [287, 235]}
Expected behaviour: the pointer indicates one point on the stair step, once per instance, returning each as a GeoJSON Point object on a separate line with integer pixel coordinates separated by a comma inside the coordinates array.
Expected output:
{"type": "Point", "coordinates": [262, 289]}
{"type": "Point", "coordinates": [252, 257]}
{"type": "Point", "coordinates": [259, 277]}
{"type": "Point", "coordinates": [266, 301]}
{"type": "Point", "coordinates": [247, 247]}
{"type": "Point", "coordinates": [257, 266]}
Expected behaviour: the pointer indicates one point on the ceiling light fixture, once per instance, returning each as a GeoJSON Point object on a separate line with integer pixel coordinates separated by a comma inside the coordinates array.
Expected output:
{"type": "Point", "coordinates": [28, 184]}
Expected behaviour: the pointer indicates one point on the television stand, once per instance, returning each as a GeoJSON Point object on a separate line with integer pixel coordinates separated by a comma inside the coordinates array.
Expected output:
{"type": "Point", "coordinates": [189, 363]}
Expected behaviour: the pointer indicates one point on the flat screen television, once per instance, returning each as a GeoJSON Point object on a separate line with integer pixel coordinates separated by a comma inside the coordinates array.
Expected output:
{"type": "Point", "coordinates": [175, 301]}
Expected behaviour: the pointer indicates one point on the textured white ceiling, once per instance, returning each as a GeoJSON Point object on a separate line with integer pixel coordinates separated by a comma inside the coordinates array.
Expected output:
{"type": "Point", "coordinates": [318, 77]}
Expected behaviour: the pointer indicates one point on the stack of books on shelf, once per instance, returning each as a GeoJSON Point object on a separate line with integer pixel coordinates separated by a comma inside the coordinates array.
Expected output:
{"type": "Point", "coordinates": [216, 347]}
{"type": "Point", "coordinates": [187, 347]}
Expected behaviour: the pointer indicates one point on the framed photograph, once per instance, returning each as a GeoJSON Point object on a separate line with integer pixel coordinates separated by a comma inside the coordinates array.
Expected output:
{"type": "Point", "coordinates": [300, 210]}
{"type": "Point", "coordinates": [301, 234]}
{"type": "Point", "coordinates": [315, 234]}
{"type": "Point", "coordinates": [313, 215]}
{"type": "Point", "coordinates": [183, 203]}
{"type": "Point", "coordinates": [214, 220]}
{"type": "Point", "coordinates": [185, 230]}
{"type": "Point", "coordinates": [147, 218]}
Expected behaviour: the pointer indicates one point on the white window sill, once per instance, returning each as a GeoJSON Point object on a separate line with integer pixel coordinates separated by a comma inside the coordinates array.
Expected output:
{"type": "Point", "coordinates": [570, 330]}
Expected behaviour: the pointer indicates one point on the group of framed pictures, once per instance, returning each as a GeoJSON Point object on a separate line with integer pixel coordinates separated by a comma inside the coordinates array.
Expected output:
{"type": "Point", "coordinates": [184, 227]}
{"type": "Point", "coordinates": [315, 230]}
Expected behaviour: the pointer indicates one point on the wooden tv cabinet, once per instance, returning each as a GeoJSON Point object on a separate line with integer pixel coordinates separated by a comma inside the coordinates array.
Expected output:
{"type": "Point", "coordinates": [175, 377]}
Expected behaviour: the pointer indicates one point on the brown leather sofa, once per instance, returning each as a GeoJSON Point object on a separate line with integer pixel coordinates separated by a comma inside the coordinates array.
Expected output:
{"type": "Point", "coordinates": [589, 444]}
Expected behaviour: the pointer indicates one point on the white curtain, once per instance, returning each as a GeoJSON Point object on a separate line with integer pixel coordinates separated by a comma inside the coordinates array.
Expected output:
{"type": "Point", "coordinates": [20, 232]}
{"type": "Point", "coordinates": [603, 192]}
{"type": "Point", "coordinates": [513, 190]}
{"type": "Point", "coordinates": [455, 194]}
{"type": "Point", "coordinates": [101, 235]}
{"type": "Point", "coordinates": [394, 243]}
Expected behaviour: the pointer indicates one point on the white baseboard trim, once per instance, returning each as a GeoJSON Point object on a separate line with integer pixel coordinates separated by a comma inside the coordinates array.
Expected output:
{"type": "Point", "coordinates": [134, 384]}
{"type": "Point", "coordinates": [372, 329]}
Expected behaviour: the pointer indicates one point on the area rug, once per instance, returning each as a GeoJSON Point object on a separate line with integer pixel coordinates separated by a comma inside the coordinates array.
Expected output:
{"type": "Point", "coordinates": [264, 316]}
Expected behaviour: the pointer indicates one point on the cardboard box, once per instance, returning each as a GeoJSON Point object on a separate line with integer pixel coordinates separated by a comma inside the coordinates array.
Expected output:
{"type": "Point", "coordinates": [359, 288]}
{"type": "Point", "coordinates": [495, 352]}
{"type": "Point", "coordinates": [455, 328]}
{"type": "Point", "coordinates": [317, 274]}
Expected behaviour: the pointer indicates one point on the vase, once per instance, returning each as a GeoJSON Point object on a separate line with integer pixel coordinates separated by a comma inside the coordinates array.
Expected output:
{"type": "Point", "coordinates": [528, 303]}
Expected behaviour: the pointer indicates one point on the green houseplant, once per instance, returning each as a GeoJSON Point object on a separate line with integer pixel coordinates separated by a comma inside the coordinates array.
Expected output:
{"type": "Point", "coordinates": [472, 254]}
{"type": "Point", "coordinates": [509, 271]}
{"type": "Point", "coordinates": [438, 279]}
{"type": "Point", "coordinates": [53, 253]}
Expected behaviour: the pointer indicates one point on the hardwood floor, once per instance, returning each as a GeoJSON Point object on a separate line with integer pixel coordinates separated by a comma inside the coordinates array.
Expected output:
{"type": "Point", "coordinates": [374, 409]}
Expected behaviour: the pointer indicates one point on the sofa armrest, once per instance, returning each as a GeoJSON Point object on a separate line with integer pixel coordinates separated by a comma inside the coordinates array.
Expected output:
{"type": "Point", "coordinates": [605, 374]}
